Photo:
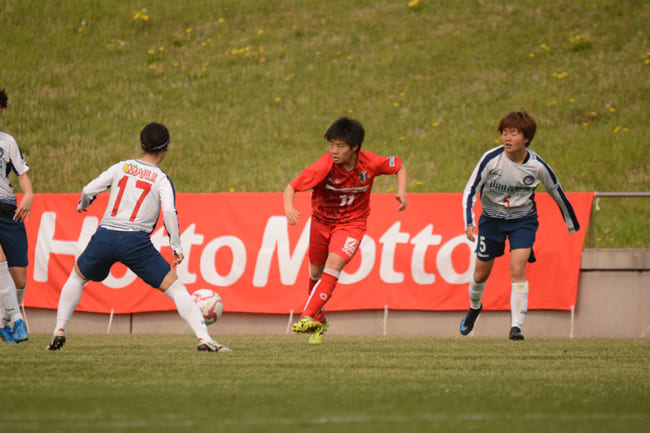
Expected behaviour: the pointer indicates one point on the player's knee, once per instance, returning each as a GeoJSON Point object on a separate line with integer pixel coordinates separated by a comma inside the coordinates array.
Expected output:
{"type": "Point", "coordinates": [518, 272]}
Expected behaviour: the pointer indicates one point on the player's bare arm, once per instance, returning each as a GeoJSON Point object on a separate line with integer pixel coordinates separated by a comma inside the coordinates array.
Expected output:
{"type": "Point", "coordinates": [291, 213]}
{"type": "Point", "coordinates": [25, 206]}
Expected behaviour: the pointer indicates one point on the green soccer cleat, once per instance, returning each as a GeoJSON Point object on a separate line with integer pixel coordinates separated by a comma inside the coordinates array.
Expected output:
{"type": "Point", "coordinates": [306, 325]}
{"type": "Point", "coordinates": [317, 337]}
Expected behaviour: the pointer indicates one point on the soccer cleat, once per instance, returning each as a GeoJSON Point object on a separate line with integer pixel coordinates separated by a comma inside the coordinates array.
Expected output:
{"type": "Point", "coordinates": [317, 337]}
{"type": "Point", "coordinates": [58, 340]}
{"type": "Point", "coordinates": [515, 333]}
{"type": "Point", "coordinates": [19, 331]}
{"type": "Point", "coordinates": [469, 320]}
{"type": "Point", "coordinates": [211, 346]}
{"type": "Point", "coordinates": [306, 325]}
{"type": "Point", "coordinates": [5, 334]}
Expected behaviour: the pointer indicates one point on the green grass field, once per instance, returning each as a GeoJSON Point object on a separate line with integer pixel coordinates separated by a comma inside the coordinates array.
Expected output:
{"type": "Point", "coordinates": [159, 383]}
{"type": "Point", "coordinates": [248, 87]}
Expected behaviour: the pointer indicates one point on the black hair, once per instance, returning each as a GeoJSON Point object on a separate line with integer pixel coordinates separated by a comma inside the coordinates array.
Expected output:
{"type": "Point", "coordinates": [349, 131]}
{"type": "Point", "coordinates": [154, 138]}
{"type": "Point", "coordinates": [3, 98]}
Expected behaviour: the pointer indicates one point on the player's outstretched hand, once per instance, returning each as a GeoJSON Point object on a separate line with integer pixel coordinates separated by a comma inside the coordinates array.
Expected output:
{"type": "Point", "coordinates": [402, 199]}
{"type": "Point", "coordinates": [178, 258]}
{"type": "Point", "coordinates": [292, 217]}
{"type": "Point", "coordinates": [23, 209]}
{"type": "Point", "coordinates": [85, 202]}
{"type": "Point", "coordinates": [470, 232]}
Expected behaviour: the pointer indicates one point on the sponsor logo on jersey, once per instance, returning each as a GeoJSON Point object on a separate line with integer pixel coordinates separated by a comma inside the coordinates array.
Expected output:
{"type": "Point", "coordinates": [528, 180]}
{"type": "Point", "coordinates": [496, 186]}
{"type": "Point", "coordinates": [363, 177]}
{"type": "Point", "coordinates": [348, 190]}
{"type": "Point", "coordinates": [142, 173]}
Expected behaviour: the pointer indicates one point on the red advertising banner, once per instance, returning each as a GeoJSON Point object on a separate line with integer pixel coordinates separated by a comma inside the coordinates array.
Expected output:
{"type": "Point", "coordinates": [240, 245]}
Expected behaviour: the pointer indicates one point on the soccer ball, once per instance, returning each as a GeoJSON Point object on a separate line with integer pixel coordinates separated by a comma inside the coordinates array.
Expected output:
{"type": "Point", "coordinates": [209, 303]}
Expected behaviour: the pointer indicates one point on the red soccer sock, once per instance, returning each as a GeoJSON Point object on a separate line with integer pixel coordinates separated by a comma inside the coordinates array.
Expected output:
{"type": "Point", "coordinates": [312, 283]}
{"type": "Point", "coordinates": [320, 295]}
{"type": "Point", "coordinates": [320, 316]}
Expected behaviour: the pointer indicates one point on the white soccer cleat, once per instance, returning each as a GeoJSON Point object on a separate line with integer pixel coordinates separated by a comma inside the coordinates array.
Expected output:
{"type": "Point", "coordinates": [211, 346]}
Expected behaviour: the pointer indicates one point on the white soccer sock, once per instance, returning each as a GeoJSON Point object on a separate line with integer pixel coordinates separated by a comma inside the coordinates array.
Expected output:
{"type": "Point", "coordinates": [8, 294]}
{"type": "Point", "coordinates": [69, 299]}
{"type": "Point", "coordinates": [519, 303]}
{"type": "Point", "coordinates": [188, 310]}
{"type": "Point", "coordinates": [476, 293]}
{"type": "Point", "coordinates": [20, 294]}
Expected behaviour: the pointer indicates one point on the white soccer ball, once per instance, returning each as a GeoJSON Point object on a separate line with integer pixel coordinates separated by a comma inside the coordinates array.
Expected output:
{"type": "Point", "coordinates": [209, 303]}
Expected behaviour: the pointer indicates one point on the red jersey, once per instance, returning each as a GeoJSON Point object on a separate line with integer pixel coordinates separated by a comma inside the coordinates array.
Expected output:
{"type": "Point", "coordinates": [342, 196]}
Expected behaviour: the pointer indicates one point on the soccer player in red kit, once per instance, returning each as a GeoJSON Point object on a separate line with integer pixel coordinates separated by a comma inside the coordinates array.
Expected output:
{"type": "Point", "coordinates": [341, 181]}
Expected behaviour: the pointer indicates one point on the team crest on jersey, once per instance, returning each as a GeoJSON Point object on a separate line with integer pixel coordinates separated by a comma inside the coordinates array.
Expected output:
{"type": "Point", "coordinates": [363, 177]}
{"type": "Point", "coordinates": [2, 152]}
{"type": "Point", "coordinates": [350, 246]}
{"type": "Point", "coordinates": [528, 180]}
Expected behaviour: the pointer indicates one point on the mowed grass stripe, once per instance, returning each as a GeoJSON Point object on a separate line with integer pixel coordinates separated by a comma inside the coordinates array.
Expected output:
{"type": "Point", "coordinates": [350, 383]}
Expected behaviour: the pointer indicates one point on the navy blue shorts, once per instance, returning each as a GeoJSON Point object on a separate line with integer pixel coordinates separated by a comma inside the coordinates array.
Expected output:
{"type": "Point", "coordinates": [13, 239]}
{"type": "Point", "coordinates": [134, 249]}
{"type": "Point", "coordinates": [494, 231]}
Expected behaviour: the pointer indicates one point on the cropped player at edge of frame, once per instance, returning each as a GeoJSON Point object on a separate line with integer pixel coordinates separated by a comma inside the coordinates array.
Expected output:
{"type": "Point", "coordinates": [13, 236]}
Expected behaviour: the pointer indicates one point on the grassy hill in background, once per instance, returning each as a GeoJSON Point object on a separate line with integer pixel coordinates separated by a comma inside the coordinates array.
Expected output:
{"type": "Point", "coordinates": [247, 89]}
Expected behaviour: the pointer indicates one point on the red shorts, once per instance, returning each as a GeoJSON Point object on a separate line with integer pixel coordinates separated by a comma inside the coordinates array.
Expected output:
{"type": "Point", "coordinates": [340, 239]}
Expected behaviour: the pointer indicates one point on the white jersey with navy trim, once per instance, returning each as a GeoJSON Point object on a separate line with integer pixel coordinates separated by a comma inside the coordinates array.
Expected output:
{"type": "Point", "coordinates": [11, 160]}
{"type": "Point", "coordinates": [508, 189]}
{"type": "Point", "coordinates": [138, 192]}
